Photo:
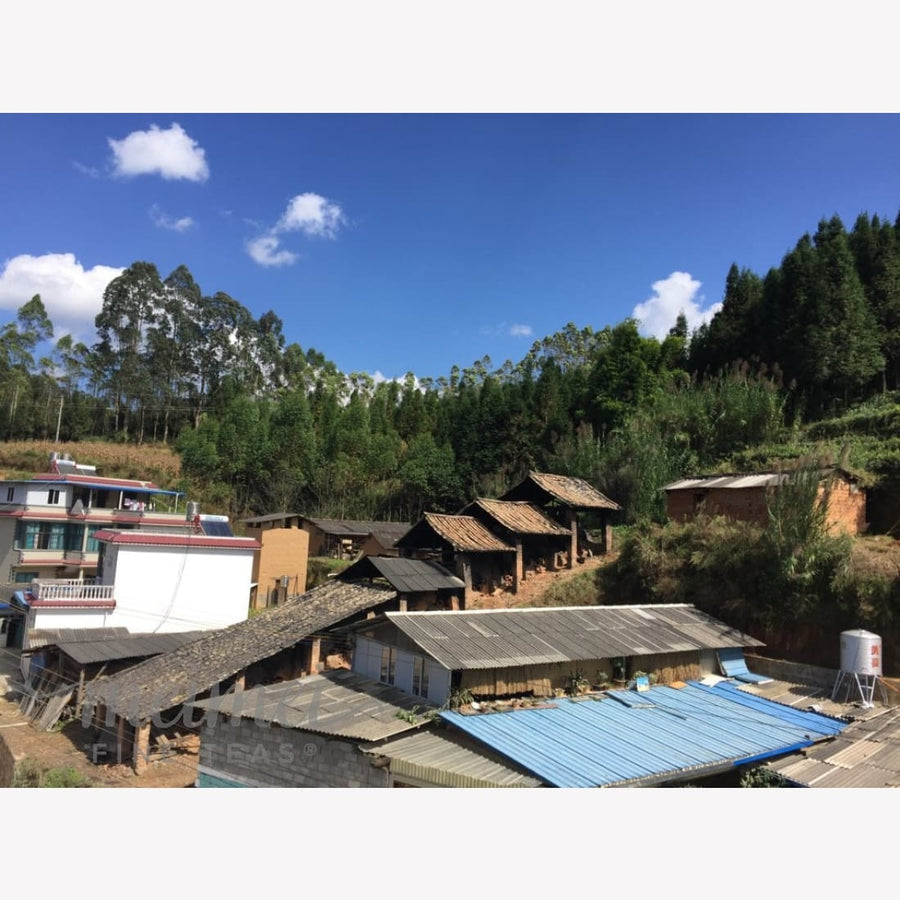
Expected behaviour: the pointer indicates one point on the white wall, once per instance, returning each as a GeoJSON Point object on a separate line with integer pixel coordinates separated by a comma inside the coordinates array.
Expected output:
{"type": "Point", "coordinates": [367, 662]}
{"type": "Point", "coordinates": [37, 495]}
{"type": "Point", "coordinates": [180, 588]}
{"type": "Point", "coordinates": [166, 589]}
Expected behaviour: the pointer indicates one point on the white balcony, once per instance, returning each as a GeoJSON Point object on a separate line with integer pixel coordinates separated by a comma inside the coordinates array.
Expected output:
{"type": "Point", "coordinates": [71, 590]}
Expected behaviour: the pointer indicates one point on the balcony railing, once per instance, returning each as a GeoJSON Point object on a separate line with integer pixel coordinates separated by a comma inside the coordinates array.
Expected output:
{"type": "Point", "coordinates": [72, 590]}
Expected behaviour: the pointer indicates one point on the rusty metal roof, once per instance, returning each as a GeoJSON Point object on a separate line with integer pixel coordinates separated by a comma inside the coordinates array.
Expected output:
{"type": "Point", "coordinates": [518, 516]}
{"type": "Point", "coordinates": [171, 678]}
{"type": "Point", "coordinates": [488, 639]}
{"type": "Point", "coordinates": [339, 703]}
{"type": "Point", "coordinates": [464, 534]}
{"type": "Point", "coordinates": [565, 489]}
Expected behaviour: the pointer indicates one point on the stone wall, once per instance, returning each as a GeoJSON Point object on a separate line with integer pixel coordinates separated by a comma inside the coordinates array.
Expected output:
{"type": "Point", "coordinates": [267, 754]}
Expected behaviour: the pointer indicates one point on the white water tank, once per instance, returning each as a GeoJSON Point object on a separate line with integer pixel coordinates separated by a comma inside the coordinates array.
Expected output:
{"type": "Point", "coordinates": [192, 511]}
{"type": "Point", "coordinates": [860, 652]}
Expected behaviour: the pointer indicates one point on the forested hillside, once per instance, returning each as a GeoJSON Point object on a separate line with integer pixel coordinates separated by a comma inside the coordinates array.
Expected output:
{"type": "Point", "coordinates": [263, 425]}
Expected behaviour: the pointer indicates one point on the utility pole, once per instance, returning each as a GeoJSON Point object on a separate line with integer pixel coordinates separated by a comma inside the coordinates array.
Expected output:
{"type": "Point", "coordinates": [59, 417]}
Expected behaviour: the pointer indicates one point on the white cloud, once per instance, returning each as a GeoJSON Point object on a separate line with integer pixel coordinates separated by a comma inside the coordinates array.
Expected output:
{"type": "Point", "coordinates": [72, 295]}
{"type": "Point", "coordinates": [520, 330]}
{"type": "Point", "coordinates": [309, 213]}
{"type": "Point", "coordinates": [313, 215]}
{"type": "Point", "coordinates": [173, 154]}
{"type": "Point", "coordinates": [264, 250]}
{"type": "Point", "coordinates": [679, 293]}
{"type": "Point", "coordinates": [161, 220]}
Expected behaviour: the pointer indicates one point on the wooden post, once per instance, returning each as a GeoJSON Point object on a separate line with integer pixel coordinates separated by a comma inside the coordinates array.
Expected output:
{"type": "Point", "coordinates": [519, 574]}
{"type": "Point", "coordinates": [141, 755]}
{"type": "Point", "coordinates": [79, 697]}
{"type": "Point", "coordinates": [573, 541]}
{"type": "Point", "coordinates": [314, 652]}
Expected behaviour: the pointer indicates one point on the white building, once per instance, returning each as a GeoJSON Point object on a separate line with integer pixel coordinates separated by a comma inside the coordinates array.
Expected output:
{"type": "Point", "coordinates": [149, 582]}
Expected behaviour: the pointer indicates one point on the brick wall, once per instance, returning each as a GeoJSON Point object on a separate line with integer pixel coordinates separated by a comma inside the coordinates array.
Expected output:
{"type": "Point", "coordinates": [285, 757]}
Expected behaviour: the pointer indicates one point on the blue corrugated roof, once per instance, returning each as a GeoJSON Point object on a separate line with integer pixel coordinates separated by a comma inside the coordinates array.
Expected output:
{"type": "Point", "coordinates": [597, 743]}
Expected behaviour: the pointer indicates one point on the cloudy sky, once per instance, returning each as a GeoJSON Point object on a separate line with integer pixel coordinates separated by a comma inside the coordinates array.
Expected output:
{"type": "Point", "coordinates": [395, 243]}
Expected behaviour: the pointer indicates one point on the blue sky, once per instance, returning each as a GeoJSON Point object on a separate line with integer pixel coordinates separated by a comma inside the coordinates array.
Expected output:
{"type": "Point", "coordinates": [413, 242]}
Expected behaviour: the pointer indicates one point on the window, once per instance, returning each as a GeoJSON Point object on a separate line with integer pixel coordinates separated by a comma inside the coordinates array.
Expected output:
{"type": "Point", "coordinates": [92, 545]}
{"type": "Point", "coordinates": [53, 496]}
{"type": "Point", "coordinates": [420, 677]}
{"type": "Point", "coordinates": [25, 577]}
{"type": "Point", "coordinates": [43, 536]}
{"type": "Point", "coordinates": [388, 664]}
{"type": "Point", "coordinates": [10, 494]}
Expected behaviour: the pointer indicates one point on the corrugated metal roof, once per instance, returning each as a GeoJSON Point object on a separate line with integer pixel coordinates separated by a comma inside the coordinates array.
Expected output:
{"type": "Point", "coordinates": [518, 516]}
{"type": "Point", "coordinates": [685, 732]}
{"type": "Point", "coordinates": [129, 647]}
{"type": "Point", "coordinates": [464, 534]}
{"type": "Point", "coordinates": [573, 492]}
{"type": "Point", "coordinates": [408, 576]}
{"type": "Point", "coordinates": [448, 759]}
{"type": "Point", "coordinates": [867, 754]}
{"type": "Point", "coordinates": [339, 703]}
{"type": "Point", "coordinates": [42, 637]}
{"type": "Point", "coordinates": [171, 678]}
{"type": "Point", "coordinates": [727, 481]}
{"type": "Point", "coordinates": [486, 639]}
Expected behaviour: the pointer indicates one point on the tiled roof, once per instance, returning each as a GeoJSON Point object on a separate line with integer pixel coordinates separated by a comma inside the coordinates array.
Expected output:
{"type": "Point", "coordinates": [565, 489]}
{"type": "Point", "coordinates": [463, 533]}
{"type": "Point", "coordinates": [518, 516]}
{"type": "Point", "coordinates": [339, 703]}
{"type": "Point", "coordinates": [487, 639]}
{"type": "Point", "coordinates": [189, 671]}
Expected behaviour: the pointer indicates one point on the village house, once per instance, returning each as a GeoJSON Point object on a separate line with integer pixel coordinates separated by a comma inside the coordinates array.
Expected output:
{"type": "Point", "coordinates": [280, 567]}
{"type": "Point", "coordinates": [347, 539]}
{"type": "Point", "coordinates": [148, 581]}
{"type": "Point", "coordinates": [539, 540]}
{"type": "Point", "coordinates": [464, 546]}
{"type": "Point", "coordinates": [746, 498]}
{"type": "Point", "coordinates": [333, 730]}
{"type": "Point", "coordinates": [420, 584]}
{"type": "Point", "coordinates": [48, 523]}
{"type": "Point", "coordinates": [567, 499]}
{"type": "Point", "coordinates": [132, 707]}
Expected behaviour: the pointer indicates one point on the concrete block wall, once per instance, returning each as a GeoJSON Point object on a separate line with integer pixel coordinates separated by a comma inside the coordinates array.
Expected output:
{"type": "Point", "coordinates": [285, 757]}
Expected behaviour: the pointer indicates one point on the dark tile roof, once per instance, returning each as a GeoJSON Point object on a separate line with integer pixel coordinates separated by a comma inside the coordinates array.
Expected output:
{"type": "Point", "coordinates": [463, 533]}
{"type": "Point", "coordinates": [134, 646]}
{"type": "Point", "coordinates": [565, 489]}
{"type": "Point", "coordinates": [408, 576]}
{"type": "Point", "coordinates": [189, 671]}
{"type": "Point", "coordinates": [388, 533]}
{"type": "Point", "coordinates": [340, 703]}
{"type": "Point", "coordinates": [272, 517]}
{"type": "Point", "coordinates": [518, 516]}
{"type": "Point", "coordinates": [355, 528]}
{"type": "Point", "coordinates": [488, 639]}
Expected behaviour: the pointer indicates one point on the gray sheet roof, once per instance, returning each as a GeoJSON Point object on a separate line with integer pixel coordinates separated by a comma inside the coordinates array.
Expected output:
{"type": "Point", "coordinates": [487, 639]}
{"type": "Point", "coordinates": [43, 637]}
{"type": "Point", "coordinates": [442, 757]}
{"type": "Point", "coordinates": [409, 576]}
{"type": "Point", "coordinates": [339, 703]}
{"type": "Point", "coordinates": [131, 646]}
{"type": "Point", "coordinates": [182, 674]}
{"type": "Point", "coordinates": [355, 528]}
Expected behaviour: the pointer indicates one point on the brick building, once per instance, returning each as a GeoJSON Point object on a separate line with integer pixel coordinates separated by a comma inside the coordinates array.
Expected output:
{"type": "Point", "coordinates": [746, 497]}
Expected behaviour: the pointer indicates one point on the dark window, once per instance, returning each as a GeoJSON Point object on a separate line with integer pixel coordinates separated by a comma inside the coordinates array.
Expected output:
{"type": "Point", "coordinates": [53, 496]}
{"type": "Point", "coordinates": [10, 494]}
{"type": "Point", "coordinates": [388, 664]}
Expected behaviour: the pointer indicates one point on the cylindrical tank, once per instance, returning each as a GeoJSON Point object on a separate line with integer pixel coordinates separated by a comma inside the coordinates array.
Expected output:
{"type": "Point", "coordinates": [192, 511]}
{"type": "Point", "coordinates": [860, 652]}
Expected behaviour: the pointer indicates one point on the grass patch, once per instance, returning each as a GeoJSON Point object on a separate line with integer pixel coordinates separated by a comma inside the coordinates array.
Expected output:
{"type": "Point", "coordinates": [30, 773]}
